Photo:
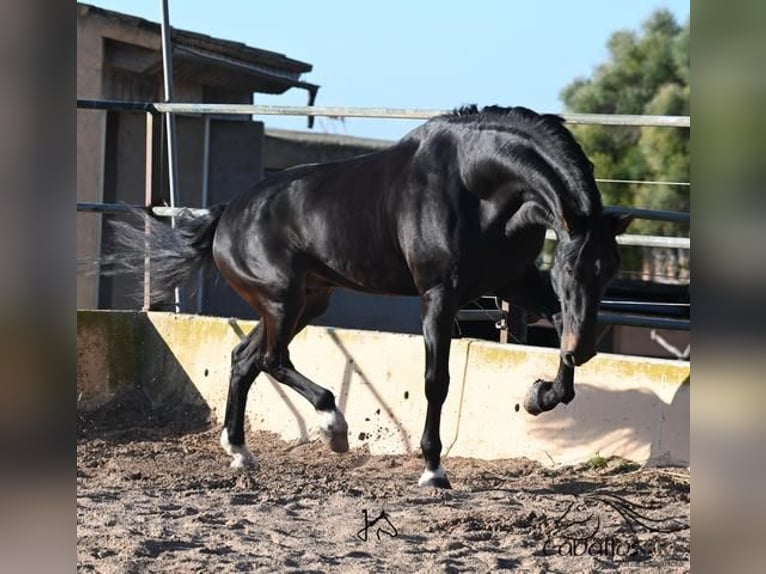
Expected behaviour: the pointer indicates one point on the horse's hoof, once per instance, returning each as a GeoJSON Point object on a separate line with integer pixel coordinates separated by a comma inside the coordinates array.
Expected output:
{"type": "Point", "coordinates": [241, 457]}
{"type": "Point", "coordinates": [533, 402]}
{"type": "Point", "coordinates": [436, 483]}
{"type": "Point", "coordinates": [334, 430]}
{"type": "Point", "coordinates": [338, 442]}
{"type": "Point", "coordinates": [242, 460]}
{"type": "Point", "coordinates": [434, 479]}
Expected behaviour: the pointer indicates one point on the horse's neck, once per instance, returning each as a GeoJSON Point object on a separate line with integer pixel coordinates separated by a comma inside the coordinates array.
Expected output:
{"type": "Point", "coordinates": [549, 198]}
{"type": "Point", "coordinates": [528, 197]}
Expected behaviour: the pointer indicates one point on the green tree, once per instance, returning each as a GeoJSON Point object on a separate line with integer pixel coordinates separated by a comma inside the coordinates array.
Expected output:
{"type": "Point", "coordinates": [646, 73]}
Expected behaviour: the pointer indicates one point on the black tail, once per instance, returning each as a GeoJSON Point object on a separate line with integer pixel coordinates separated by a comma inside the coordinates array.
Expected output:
{"type": "Point", "coordinates": [175, 253]}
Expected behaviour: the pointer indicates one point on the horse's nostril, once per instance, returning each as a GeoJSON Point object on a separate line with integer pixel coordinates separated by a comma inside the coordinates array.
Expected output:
{"type": "Point", "coordinates": [569, 359]}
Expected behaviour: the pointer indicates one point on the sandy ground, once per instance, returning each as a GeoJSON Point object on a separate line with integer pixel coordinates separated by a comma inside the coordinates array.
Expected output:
{"type": "Point", "coordinates": [159, 497]}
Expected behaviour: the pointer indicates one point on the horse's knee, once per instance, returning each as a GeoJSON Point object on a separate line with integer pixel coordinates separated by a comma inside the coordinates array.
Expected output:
{"type": "Point", "coordinates": [274, 362]}
{"type": "Point", "coordinates": [245, 363]}
{"type": "Point", "coordinates": [243, 373]}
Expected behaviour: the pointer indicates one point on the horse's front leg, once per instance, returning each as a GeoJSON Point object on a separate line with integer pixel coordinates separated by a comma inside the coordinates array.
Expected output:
{"type": "Point", "coordinates": [545, 395]}
{"type": "Point", "coordinates": [535, 294]}
{"type": "Point", "coordinates": [438, 314]}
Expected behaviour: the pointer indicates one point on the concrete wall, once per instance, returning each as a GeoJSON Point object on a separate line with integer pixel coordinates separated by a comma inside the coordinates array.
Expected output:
{"type": "Point", "coordinates": [629, 407]}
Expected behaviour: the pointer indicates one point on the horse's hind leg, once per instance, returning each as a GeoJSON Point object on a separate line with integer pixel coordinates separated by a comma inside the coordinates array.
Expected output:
{"type": "Point", "coordinates": [244, 369]}
{"type": "Point", "coordinates": [284, 318]}
{"type": "Point", "coordinates": [438, 315]}
{"type": "Point", "coordinates": [333, 425]}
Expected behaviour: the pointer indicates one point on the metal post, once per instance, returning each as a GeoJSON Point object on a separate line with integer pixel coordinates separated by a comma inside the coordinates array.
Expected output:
{"type": "Point", "coordinates": [515, 328]}
{"type": "Point", "coordinates": [505, 330]}
{"type": "Point", "coordinates": [204, 202]}
{"type": "Point", "coordinates": [148, 199]}
{"type": "Point", "coordinates": [167, 68]}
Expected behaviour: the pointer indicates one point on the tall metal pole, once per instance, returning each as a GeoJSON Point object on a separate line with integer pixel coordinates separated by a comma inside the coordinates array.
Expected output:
{"type": "Point", "coordinates": [170, 122]}
{"type": "Point", "coordinates": [204, 203]}
{"type": "Point", "coordinates": [148, 199]}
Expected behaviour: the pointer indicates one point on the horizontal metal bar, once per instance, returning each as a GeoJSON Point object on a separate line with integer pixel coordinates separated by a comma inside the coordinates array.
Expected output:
{"type": "Point", "coordinates": [645, 182]}
{"type": "Point", "coordinates": [113, 105]}
{"type": "Point", "coordinates": [163, 211]}
{"type": "Point", "coordinates": [352, 112]}
{"type": "Point", "coordinates": [160, 210]}
{"type": "Point", "coordinates": [627, 303]}
{"type": "Point", "coordinates": [640, 213]}
{"type": "Point", "coordinates": [653, 214]}
{"type": "Point", "coordinates": [472, 315]}
{"type": "Point", "coordinates": [407, 113]}
{"type": "Point", "coordinates": [650, 308]}
{"type": "Point", "coordinates": [654, 241]}
{"type": "Point", "coordinates": [479, 315]}
{"type": "Point", "coordinates": [629, 120]}
{"type": "Point", "coordinates": [107, 207]}
{"type": "Point", "coordinates": [638, 321]}
{"type": "Point", "coordinates": [643, 240]}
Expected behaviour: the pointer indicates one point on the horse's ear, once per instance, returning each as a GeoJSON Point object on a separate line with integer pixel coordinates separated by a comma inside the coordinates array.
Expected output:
{"type": "Point", "coordinates": [619, 223]}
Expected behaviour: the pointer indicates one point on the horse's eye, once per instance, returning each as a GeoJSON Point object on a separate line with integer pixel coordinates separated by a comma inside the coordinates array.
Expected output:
{"type": "Point", "coordinates": [568, 270]}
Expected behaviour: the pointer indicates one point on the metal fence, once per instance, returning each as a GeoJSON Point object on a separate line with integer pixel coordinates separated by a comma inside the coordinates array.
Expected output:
{"type": "Point", "coordinates": [627, 315]}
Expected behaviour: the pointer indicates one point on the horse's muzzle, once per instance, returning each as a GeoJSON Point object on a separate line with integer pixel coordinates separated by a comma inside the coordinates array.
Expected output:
{"type": "Point", "coordinates": [573, 353]}
{"type": "Point", "coordinates": [575, 359]}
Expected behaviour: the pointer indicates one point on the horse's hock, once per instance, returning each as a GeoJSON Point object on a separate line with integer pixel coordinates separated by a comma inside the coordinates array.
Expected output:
{"type": "Point", "coordinates": [632, 407]}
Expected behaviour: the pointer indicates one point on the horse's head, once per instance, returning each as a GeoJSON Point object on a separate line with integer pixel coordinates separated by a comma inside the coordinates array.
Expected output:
{"type": "Point", "coordinates": [583, 265]}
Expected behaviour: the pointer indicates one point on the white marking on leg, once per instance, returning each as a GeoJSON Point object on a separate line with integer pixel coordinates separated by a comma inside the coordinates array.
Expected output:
{"type": "Point", "coordinates": [334, 429]}
{"type": "Point", "coordinates": [332, 421]}
{"type": "Point", "coordinates": [240, 454]}
{"type": "Point", "coordinates": [429, 475]}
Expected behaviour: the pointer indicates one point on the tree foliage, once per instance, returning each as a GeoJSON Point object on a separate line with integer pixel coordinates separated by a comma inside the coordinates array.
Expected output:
{"type": "Point", "coordinates": [646, 73]}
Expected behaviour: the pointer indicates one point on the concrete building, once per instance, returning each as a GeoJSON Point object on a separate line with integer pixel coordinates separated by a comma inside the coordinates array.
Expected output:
{"type": "Point", "coordinates": [119, 57]}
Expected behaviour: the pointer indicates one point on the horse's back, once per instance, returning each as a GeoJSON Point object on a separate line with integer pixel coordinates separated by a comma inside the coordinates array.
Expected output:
{"type": "Point", "coordinates": [336, 220]}
{"type": "Point", "coordinates": [395, 221]}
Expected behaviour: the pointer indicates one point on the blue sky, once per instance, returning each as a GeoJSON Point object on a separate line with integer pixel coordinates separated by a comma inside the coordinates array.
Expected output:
{"type": "Point", "coordinates": [427, 54]}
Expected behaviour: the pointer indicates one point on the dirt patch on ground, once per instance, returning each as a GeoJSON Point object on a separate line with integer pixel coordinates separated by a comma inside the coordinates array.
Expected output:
{"type": "Point", "coordinates": [159, 497]}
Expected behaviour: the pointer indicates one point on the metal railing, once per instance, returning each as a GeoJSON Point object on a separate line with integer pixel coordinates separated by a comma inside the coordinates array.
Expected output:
{"type": "Point", "coordinates": [154, 109]}
{"type": "Point", "coordinates": [625, 239]}
{"type": "Point", "coordinates": [628, 316]}
{"type": "Point", "coordinates": [373, 113]}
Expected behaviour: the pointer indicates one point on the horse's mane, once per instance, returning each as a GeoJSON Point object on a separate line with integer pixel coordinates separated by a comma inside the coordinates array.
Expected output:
{"type": "Point", "coordinates": [469, 110]}
{"type": "Point", "coordinates": [550, 126]}
{"type": "Point", "coordinates": [547, 129]}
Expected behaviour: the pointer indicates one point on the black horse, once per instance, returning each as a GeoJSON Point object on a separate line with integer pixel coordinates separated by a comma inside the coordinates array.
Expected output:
{"type": "Point", "coordinates": [456, 209]}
